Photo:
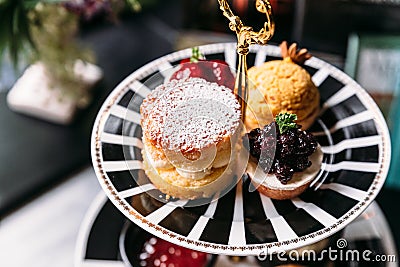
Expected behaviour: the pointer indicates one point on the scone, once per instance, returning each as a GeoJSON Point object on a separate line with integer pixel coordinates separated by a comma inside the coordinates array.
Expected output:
{"type": "Point", "coordinates": [282, 86]}
{"type": "Point", "coordinates": [284, 159]}
{"type": "Point", "coordinates": [190, 128]}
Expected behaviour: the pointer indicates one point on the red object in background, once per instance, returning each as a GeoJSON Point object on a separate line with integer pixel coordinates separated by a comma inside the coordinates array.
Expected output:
{"type": "Point", "coordinates": [282, 7]}
{"type": "Point", "coordinates": [159, 253]}
{"type": "Point", "coordinates": [241, 6]}
{"type": "Point", "coordinates": [279, 7]}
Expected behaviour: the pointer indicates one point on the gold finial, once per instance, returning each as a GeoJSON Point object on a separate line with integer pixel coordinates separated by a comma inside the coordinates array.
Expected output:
{"type": "Point", "coordinates": [246, 36]}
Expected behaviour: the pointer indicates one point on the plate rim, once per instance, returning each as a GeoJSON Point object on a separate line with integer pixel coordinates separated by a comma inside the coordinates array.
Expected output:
{"type": "Point", "coordinates": [99, 202]}
{"type": "Point", "coordinates": [250, 249]}
{"type": "Point", "coordinates": [82, 239]}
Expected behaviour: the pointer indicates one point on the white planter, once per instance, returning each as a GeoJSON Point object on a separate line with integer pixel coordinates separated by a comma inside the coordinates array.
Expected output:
{"type": "Point", "coordinates": [33, 95]}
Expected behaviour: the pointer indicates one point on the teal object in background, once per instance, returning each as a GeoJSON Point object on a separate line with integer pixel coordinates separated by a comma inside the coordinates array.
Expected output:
{"type": "Point", "coordinates": [393, 179]}
{"type": "Point", "coordinates": [374, 62]}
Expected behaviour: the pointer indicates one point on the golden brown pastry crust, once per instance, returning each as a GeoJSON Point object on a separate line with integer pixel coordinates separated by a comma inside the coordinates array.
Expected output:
{"type": "Point", "coordinates": [286, 87]}
{"type": "Point", "coordinates": [171, 183]}
{"type": "Point", "coordinates": [283, 194]}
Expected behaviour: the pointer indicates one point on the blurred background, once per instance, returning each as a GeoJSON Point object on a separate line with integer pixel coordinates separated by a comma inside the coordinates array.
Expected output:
{"type": "Point", "coordinates": [45, 134]}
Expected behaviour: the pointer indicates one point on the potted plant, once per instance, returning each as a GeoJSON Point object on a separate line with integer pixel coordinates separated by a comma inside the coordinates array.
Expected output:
{"type": "Point", "coordinates": [58, 80]}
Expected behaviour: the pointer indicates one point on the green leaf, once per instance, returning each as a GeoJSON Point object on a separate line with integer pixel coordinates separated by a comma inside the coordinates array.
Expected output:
{"type": "Point", "coordinates": [29, 4]}
{"type": "Point", "coordinates": [16, 37]}
{"type": "Point", "coordinates": [14, 29]}
{"type": "Point", "coordinates": [196, 55]}
{"type": "Point", "coordinates": [286, 121]}
{"type": "Point", "coordinates": [4, 30]}
{"type": "Point", "coordinates": [134, 5]}
{"type": "Point", "coordinates": [7, 10]}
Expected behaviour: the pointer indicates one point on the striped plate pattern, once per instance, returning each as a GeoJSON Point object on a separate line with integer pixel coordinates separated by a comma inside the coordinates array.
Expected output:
{"type": "Point", "coordinates": [101, 241]}
{"type": "Point", "coordinates": [350, 129]}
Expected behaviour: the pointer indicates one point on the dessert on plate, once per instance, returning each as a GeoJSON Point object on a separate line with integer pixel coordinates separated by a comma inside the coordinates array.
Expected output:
{"type": "Point", "coordinates": [189, 130]}
{"type": "Point", "coordinates": [282, 86]}
{"type": "Point", "coordinates": [284, 159]}
{"type": "Point", "coordinates": [197, 66]}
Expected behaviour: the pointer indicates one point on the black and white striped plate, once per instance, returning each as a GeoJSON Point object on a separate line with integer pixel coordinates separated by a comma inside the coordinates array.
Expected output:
{"type": "Point", "coordinates": [99, 236]}
{"type": "Point", "coordinates": [351, 130]}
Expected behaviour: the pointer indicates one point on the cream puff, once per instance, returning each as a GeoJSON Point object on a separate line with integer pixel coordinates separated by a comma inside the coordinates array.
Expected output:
{"type": "Point", "coordinates": [282, 86]}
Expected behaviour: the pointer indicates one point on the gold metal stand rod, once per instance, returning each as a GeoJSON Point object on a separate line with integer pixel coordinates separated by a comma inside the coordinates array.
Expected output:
{"type": "Point", "coordinates": [241, 84]}
{"type": "Point", "coordinates": [246, 36]}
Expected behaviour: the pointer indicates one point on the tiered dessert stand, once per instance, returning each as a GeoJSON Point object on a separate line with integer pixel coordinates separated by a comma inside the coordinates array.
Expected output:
{"type": "Point", "coordinates": [351, 130]}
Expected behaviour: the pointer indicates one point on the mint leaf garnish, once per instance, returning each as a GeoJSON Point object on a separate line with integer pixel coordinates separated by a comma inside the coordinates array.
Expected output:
{"type": "Point", "coordinates": [285, 121]}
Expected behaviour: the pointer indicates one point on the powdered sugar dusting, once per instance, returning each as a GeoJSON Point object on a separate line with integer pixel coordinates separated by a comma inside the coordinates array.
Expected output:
{"type": "Point", "coordinates": [189, 115]}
